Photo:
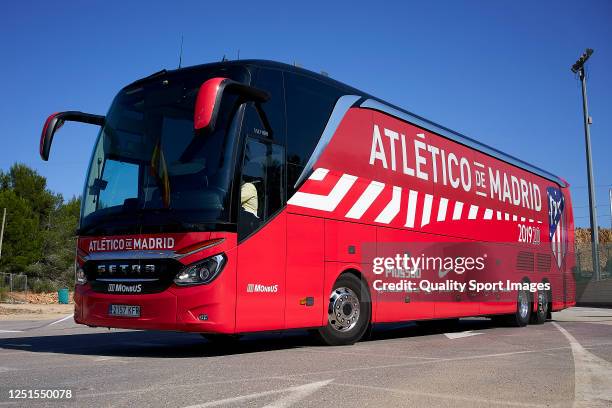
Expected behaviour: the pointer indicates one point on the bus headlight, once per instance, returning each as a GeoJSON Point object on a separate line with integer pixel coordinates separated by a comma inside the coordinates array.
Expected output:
{"type": "Point", "coordinates": [80, 276]}
{"type": "Point", "coordinates": [201, 272]}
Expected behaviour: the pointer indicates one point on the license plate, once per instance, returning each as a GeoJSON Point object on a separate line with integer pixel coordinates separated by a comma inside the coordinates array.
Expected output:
{"type": "Point", "coordinates": [124, 310]}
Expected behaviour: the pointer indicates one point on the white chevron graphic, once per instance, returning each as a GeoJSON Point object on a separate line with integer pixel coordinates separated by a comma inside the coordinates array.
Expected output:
{"type": "Point", "coordinates": [412, 202]}
{"type": "Point", "coordinates": [329, 202]}
{"type": "Point", "coordinates": [457, 211]}
{"type": "Point", "coordinates": [366, 199]}
{"type": "Point", "coordinates": [473, 212]}
{"type": "Point", "coordinates": [426, 210]}
{"type": "Point", "coordinates": [392, 209]}
{"type": "Point", "coordinates": [442, 209]}
{"type": "Point", "coordinates": [321, 202]}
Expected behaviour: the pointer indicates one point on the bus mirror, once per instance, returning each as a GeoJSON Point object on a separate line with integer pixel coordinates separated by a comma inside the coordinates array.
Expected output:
{"type": "Point", "coordinates": [56, 120]}
{"type": "Point", "coordinates": [211, 94]}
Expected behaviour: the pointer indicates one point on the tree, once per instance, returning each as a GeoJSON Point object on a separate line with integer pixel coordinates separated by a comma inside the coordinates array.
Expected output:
{"type": "Point", "coordinates": [59, 243]}
{"type": "Point", "coordinates": [22, 243]}
{"type": "Point", "coordinates": [27, 184]}
{"type": "Point", "coordinates": [41, 229]}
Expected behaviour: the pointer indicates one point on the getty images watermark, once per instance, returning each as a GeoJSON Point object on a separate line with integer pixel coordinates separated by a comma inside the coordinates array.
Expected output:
{"type": "Point", "coordinates": [473, 273]}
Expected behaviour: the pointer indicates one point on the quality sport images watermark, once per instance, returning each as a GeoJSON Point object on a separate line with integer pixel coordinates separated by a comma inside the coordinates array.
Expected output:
{"type": "Point", "coordinates": [466, 271]}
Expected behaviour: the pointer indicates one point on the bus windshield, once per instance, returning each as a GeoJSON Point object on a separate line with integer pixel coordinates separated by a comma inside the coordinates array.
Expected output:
{"type": "Point", "coordinates": [150, 167]}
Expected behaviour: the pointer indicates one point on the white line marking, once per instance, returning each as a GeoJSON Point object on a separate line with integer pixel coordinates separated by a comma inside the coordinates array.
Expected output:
{"type": "Point", "coordinates": [62, 319]}
{"type": "Point", "coordinates": [412, 202]}
{"type": "Point", "coordinates": [392, 209]}
{"type": "Point", "coordinates": [365, 200]}
{"type": "Point", "coordinates": [457, 210]}
{"type": "Point", "coordinates": [11, 331]}
{"type": "Point", "coordinates": [592, 375]}
{"type": "Point", "coordinates": [296, 394]}
{"type": "Point", "coordinates": [442, 209]}
{"type": "Point", "coordinates": [453, 397]}
{"type": "Point", "coordinates": [461, 335]}
{"type": "Point", "coordinates": [426, 210]}
{"type": "Point", "coordinates": [473, 212]}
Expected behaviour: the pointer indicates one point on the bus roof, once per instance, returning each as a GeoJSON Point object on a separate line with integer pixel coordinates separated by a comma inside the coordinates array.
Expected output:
{"type": "Point", "coordinates": [371, 102]}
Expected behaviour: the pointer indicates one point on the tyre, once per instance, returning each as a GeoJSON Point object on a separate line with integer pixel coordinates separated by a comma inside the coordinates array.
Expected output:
{"type": "Point", "coordinates": [523, 309]}
{"type": "Point", "coordinates": [520, 318]}
{"type": "Point", "coordinates": [543, 305]}
{"type": "Point", "coordinates": [348, 312]}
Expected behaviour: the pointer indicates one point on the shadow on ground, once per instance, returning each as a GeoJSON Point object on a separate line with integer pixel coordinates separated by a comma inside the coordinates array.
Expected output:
{"type": "Point", "coordinates": [157, 344]}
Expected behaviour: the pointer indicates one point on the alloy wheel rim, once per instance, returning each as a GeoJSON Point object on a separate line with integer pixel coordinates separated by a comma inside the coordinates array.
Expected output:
{"type": "Point", "coordinates": [344, 309]}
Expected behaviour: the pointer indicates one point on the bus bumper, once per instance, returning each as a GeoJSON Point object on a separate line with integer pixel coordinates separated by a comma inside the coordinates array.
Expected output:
{"type": "Point", "coordinates": [178, 309]}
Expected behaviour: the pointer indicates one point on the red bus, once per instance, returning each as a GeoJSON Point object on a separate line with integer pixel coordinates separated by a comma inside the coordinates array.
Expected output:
{"type": "Point", "coordinates": [242, 196]}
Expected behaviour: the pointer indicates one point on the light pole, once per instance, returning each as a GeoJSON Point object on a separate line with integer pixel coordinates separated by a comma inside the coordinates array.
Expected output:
{"type": "Point", "coordinates": [578, 68]}
{"type": "Point", "coordinates": [2, 230]}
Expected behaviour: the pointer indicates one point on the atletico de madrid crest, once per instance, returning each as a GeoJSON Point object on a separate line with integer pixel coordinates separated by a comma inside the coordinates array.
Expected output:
{"type": "Point", "coordinates": [556, 220]}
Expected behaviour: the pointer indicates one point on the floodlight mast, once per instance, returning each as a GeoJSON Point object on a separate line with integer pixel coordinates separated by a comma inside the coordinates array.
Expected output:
{"type": "Point", "coordinates": [578, 68]}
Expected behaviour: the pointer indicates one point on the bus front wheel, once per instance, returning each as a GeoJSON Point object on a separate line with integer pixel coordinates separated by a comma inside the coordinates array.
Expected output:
{"type": "Point", "coordinates": [348, 312]}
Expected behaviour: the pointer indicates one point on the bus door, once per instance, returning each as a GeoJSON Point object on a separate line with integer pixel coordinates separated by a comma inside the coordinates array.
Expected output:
{"type": "Point", "coordinates": [262, 226]}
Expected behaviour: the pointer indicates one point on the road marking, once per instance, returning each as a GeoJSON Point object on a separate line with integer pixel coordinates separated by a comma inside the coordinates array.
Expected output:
{"type": "Point", "coordinates": [11, 331]}
{"type": "Point", "coordinates": [592, 375]}
{"type": "Point", "coordinates": [417, 363]}
{"type": "Point", "coordinates": [61, 320]}
{"type": "Point", "coordinates": [296, 394]}
{"type": "Point", "coordinates": [469, 398]}
{"type": "Point", "coordinates": [362, 354]}
{"type": "Point", "coordinates": [106, 358]}
{"type": "Point", "coordinates": [461, 335]}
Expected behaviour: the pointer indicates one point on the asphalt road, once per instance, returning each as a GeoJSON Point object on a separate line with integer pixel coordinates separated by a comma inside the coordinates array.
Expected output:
{"type": "Point", "coordinates": [562, 363]}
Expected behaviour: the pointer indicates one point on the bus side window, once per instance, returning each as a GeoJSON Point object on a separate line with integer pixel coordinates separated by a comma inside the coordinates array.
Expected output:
{"type": "Point", "coordinates": [273, 109]}
{"type": "Point", "coordinates": [261, 185]}
{"type": "Point", "coordinates": [310, 103]}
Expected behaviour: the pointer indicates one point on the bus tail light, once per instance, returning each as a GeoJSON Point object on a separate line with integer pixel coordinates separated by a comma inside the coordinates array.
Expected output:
{"type": "Point", "coordinates": [201, 272]}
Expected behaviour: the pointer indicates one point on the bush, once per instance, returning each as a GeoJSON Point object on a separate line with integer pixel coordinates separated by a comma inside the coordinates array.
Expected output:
{"type": "Point", "coordinates": [43, 285]}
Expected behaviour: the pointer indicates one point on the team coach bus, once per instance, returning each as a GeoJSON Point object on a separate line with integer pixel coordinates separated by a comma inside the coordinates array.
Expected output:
{"type": "Point", "coordinates": [239, 196]}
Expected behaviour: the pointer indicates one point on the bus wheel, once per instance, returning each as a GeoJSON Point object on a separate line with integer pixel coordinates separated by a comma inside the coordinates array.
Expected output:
{"type": "Point", "coordinates": [348, 312]}
{"type": "Point", "coordinates": [523, 308]}
{"type": "Point", "coordinates": [540, 315]}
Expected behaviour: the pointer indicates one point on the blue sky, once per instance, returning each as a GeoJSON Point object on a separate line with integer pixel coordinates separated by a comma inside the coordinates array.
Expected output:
{"type": "Point", "coordinates": [497, 71]}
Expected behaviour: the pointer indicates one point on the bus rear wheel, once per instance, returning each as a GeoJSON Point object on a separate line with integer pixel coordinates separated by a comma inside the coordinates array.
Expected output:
{"type": "Point", "coordinates": [348, 312]}
{"type": "Point", "coordinates": [541, 313]}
